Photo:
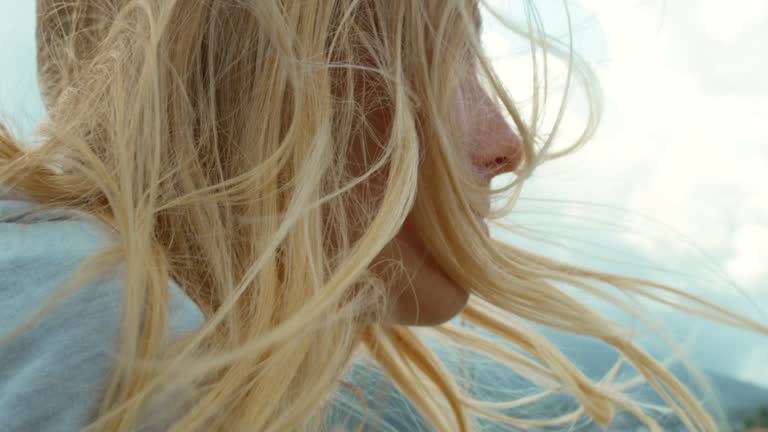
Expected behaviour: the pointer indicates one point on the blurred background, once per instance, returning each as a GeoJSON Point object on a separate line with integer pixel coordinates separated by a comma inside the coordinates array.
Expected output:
{"type": "Point", "coordinates": [673, 187]}
{"type": "Point", "coordinates": [676, 178]}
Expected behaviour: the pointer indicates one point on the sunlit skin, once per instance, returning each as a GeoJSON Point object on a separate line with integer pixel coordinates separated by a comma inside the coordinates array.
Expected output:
{"type": "Point", "coordinates": [493, 148]}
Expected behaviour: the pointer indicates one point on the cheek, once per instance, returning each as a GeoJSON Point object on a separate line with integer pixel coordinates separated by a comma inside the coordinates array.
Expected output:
{"type": "Point", "coordinates": [408, 233]}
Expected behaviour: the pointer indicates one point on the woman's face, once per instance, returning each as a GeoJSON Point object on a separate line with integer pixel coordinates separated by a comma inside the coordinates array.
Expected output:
{"type": "Point", "coordinates": [425, 295]}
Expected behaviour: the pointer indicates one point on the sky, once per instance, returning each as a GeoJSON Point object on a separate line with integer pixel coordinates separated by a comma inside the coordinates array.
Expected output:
{"type": "Point", "coordinates": [676, 177]}
{"type": "Point", "coordinates": [674, 185]}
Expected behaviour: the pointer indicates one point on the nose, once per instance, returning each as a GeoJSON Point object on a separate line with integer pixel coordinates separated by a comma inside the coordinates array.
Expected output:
{"type": "Point", "coordinates": [494, 147]}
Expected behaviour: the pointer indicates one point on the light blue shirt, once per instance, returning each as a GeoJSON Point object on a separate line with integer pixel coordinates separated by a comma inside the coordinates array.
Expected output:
{"type": "Point", "coordinates": [52, 375]}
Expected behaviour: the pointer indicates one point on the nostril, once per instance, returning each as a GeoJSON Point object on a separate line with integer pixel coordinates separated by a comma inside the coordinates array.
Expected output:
{"type": "Point", "coordinates": [497, 163]}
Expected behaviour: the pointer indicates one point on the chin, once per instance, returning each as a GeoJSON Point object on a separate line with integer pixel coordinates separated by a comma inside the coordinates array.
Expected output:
{"type": "Point", "coordinates": [433, 317]}
{"type": "Point", "coordinates": [426, 288]}
{"type": "Point", "coordinates": [434, 309]}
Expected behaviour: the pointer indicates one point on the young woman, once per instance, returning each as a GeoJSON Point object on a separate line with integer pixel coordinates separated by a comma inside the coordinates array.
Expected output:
{"type": "Point", "coordinates": [234, 201]}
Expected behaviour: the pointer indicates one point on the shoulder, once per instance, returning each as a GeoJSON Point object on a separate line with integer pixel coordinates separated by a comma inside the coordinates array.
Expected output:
{"type": "Point", "coordinates": [50, 374]}
{"type": "Point", "coordinates": [38, 253]}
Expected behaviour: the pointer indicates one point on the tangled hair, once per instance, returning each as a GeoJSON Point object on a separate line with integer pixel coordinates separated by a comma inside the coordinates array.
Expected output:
{"type": "Point", "coordinates": [212, 137]}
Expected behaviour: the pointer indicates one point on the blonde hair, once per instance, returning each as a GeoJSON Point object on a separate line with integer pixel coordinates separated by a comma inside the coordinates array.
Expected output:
{"type": "Point", "coordinates": [212, 137]}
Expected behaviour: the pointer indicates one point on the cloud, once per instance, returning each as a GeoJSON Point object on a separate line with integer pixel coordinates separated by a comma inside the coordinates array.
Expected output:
{"type": "Point", "coordinates": [729, 23]}
{"type": "Point", "coordinates": [749, 263]}
{"type": "Point", "coordinates": [723, 44]}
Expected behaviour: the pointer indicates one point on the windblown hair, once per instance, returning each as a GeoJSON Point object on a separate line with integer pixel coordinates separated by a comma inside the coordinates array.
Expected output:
{"type": "Point", "coordinates": [212, 137]}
